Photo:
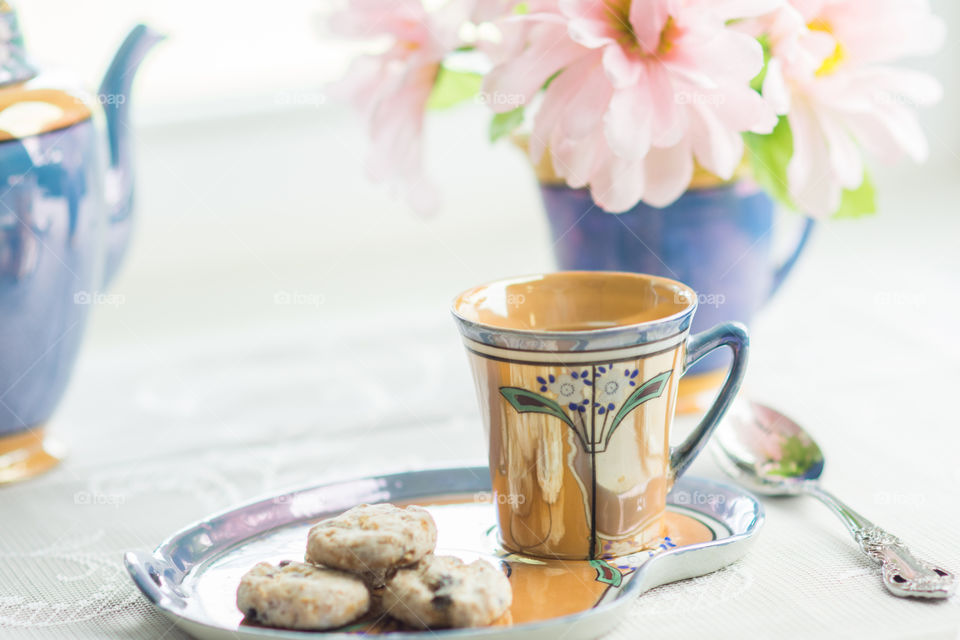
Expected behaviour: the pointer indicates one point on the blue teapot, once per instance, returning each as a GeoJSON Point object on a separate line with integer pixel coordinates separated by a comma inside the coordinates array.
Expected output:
{"type": "Point", "coordinates": [66, 196]}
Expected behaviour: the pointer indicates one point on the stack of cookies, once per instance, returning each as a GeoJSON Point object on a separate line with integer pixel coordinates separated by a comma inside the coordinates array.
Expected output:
{"type": "Point", "coordinates": [374, 554]}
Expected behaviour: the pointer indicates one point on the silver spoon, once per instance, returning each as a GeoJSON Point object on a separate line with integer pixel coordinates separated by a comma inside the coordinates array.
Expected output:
{"type": "Point", "coordinates": [770, 453]}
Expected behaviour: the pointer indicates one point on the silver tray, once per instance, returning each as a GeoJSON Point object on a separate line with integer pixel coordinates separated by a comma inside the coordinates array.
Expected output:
{"type": "Point", "coordinates": [193, 575]}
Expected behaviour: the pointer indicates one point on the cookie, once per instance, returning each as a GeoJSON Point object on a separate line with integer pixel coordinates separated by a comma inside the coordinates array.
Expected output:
{"type": "Point", "coordinates": [301, 596]}
{"type": "Point", "coordinates": [373, 539]}
{"type": "Point", "coordinates": [443, 591]}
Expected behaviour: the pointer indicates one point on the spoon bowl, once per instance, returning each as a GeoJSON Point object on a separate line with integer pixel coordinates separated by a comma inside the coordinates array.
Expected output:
{"type": "Point", "coordinates": [766, 450]}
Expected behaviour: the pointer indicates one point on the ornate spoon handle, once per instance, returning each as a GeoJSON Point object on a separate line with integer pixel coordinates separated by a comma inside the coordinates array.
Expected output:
{"type": "Point", "coordinates": [903, 573]}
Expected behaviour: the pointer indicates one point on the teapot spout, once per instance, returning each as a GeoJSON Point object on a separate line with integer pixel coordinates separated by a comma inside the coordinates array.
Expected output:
{"type": "Point", "coordinates": [114, 96]}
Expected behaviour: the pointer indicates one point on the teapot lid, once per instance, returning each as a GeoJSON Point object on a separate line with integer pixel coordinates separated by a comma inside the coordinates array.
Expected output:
{"type": "Point", "coordinates": [31, 104]}
{"type": "Point", "coordinates": [14, 66]}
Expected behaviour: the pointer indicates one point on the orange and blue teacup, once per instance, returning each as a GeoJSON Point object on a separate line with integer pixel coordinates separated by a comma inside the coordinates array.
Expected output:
{"type": "Point", "coordinates": [577, 376]}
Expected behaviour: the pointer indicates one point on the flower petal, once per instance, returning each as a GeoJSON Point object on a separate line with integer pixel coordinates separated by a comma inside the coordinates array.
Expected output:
{"type": "Point", "coordinates": [548, 124]}
{"type": "Point", "coordinates": [648, 19]}
{"type": "Point", "coordinates": [738, 9]}
{"type": "Point", "coordinates": [622, 68]}
{"type": "Point", "coordinates": [890, 133]}
{"type": "Point", "coordinates": [846, 160]}
{"type": "Point", "coordinates": [585, 109]}
{"type": "Point", "coordinates": [775, 89]}
{"type": "Point", "coordinates": [618, 185]}
{"type": "Point", "coordinates": [628, 122]}
{"type": "Point", "coordinates": [523, 76]}
{"type": "Point", "coordinates": [576, 161]}
{"type": "Point", "coordinates": [669, 121]}
{"type": "Point", "coordinates": [717, 147]}
{"type": "Point", "coordinates": [812, 185]}
{"type": "Point", "coordinates": [884, 30]}
{"type": "Point", "coordinates": [668, 174]}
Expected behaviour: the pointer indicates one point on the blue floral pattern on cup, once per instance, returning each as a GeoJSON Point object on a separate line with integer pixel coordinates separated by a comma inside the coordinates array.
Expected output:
{"type": "Point", "coordinates": [591, 400]}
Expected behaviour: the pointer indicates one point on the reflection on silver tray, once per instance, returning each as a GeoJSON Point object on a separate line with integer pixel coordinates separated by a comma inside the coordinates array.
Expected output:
{"type": "Point", "coordinates": [193, 575]}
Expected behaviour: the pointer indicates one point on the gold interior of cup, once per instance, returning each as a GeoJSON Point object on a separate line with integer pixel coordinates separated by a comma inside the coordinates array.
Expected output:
{"type": "Point", "coordinates": [574, 301]}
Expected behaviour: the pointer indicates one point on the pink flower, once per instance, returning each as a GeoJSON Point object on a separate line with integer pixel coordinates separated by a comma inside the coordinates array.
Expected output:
{"type": "Point", "coordinates": [829, 73]}
{"type": "Point", "coordinates": [639, 90]}
{"type": "Point", "coordinates": [492, 10]}
{"type": "Point", "coordinates": [392, 88]}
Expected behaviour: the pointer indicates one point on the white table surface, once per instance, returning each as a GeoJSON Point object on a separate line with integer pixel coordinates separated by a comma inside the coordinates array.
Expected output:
{"type": "Point", "coordinates": [196, 390]}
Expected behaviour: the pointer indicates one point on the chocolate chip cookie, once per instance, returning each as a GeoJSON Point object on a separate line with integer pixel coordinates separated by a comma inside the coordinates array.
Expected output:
{"type": "Point", "coordinates": [301, 596]}
{"type": "Point", "coordinates": [443, 591]}
{"type": "Point", "coordinates": [373, 539]}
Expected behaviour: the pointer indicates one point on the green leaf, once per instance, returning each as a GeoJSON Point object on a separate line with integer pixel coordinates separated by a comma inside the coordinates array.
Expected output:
{"type": "Point", "coordinates": [769, 156]}
{"type": "Point", "coordinates": [453, 87]}
{"type": "Point", "coordinates": [607, 573]}
{"type": "Point", "coordinates": [858, 202]}
{"type": "Point", "coordinates": [549, 81]}
{"type": "Point", "coordinates": [525, 401]}
{"type": "Point", "coordinates": [652, 388]}
{"type": "Point", "coordinates": [757, 83]}
{"type": "Point", "coordinates": [529, 402]}
{"type": "Point", "coordinates": [504, 123]}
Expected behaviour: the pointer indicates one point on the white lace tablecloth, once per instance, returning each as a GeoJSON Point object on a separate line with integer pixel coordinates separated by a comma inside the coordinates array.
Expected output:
{"type": "Point", "coordinates": [161, 437]}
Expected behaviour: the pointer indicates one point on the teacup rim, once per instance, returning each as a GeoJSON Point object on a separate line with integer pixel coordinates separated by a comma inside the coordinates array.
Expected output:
{"type": "Point", "coordinates": [578, 333]}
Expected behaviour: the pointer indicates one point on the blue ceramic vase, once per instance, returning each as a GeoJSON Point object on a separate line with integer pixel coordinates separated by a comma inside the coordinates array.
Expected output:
{"type": "Point", "coordinates": [66, 196]}
{"type": "Point", "coordinates": [717, 239]}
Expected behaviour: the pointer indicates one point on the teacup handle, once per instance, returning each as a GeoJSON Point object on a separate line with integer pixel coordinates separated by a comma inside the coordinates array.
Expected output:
{"type": "Point", "coordinates": [728, 334]}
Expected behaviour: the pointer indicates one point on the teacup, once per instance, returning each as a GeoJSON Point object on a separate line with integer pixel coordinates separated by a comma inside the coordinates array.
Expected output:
{"type": "Point", "coordinates": [577, 376]}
